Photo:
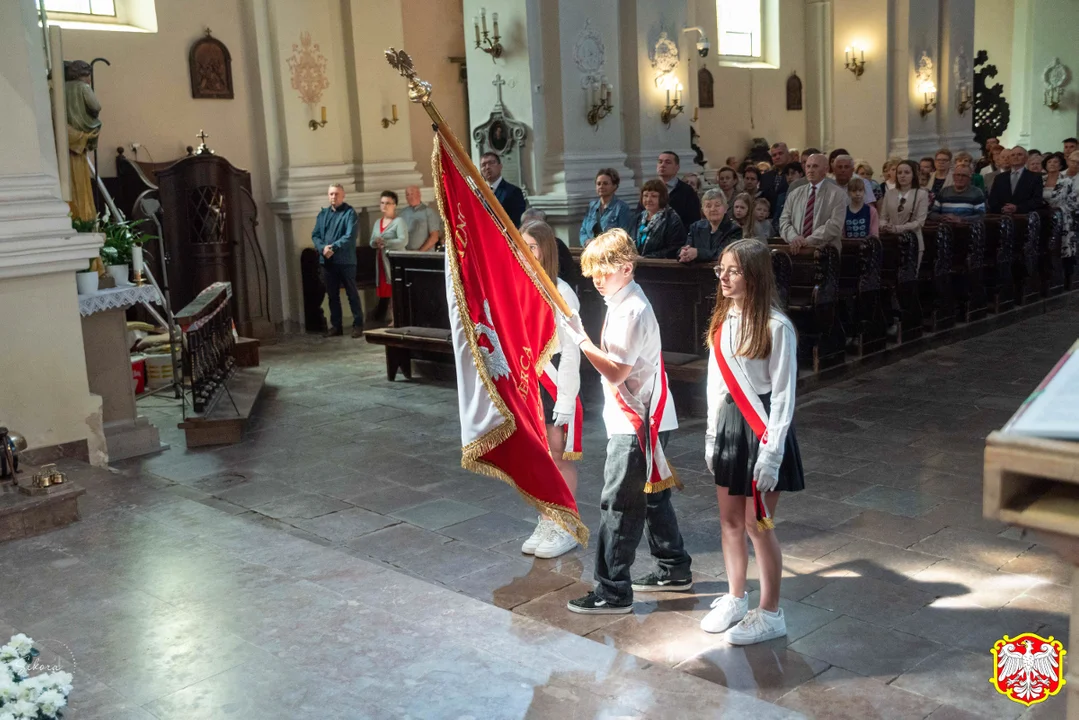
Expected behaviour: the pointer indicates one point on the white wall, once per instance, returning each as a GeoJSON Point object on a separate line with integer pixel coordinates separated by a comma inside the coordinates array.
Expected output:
{"type": "Point", "coordinates": [860, 104]}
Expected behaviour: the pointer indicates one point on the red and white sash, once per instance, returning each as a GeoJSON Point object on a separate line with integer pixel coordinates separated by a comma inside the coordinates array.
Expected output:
{"type": "Point", "coordinates": [660, 475]}
{"type": "Point", "coordinates": [752, 409]}
{"type": "Point", "coordinates": [549, 380]}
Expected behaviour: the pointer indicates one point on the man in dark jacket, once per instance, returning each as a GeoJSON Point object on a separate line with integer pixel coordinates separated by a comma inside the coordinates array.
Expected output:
{"type": "Point", "coordinates": [334, 238]}
{"type": "Point", "coordinates": [508, 194]}
{"type": "Point", "coordinates": [680, 196]}
{"type": "Point", "coordinates": [1019, 191]}
{"type": "Point", "coordinates": [774, 182]}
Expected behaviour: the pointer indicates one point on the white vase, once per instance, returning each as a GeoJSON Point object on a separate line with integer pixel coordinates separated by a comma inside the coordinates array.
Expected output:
{"type": "Point", "coordinates": [120, 273]}
{"type": "Point", "coordinates": [86, 282]}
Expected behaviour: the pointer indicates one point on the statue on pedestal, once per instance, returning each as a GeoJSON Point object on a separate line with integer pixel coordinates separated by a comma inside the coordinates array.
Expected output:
{"type": "Point", "coordinates": [83, 129]}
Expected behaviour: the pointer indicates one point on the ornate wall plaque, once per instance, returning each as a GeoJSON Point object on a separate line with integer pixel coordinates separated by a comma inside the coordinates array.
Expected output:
{"type": "Point", "coordinates": [589, 54]}
{"type": "Point", "coordinates": [307, 65]}
{"type": "Point", "coordinates": [503, 136]}
{"type": "Point", "coordinates": [705, 88]}
{"type": "Point", "coordinates": [210, 66]}
{"type": "Point", "coordinates": [925, 71]}
{"type": "Point", "coordinates": [794, 92]}
{"type": "Point", "coordinates": [664, 57]}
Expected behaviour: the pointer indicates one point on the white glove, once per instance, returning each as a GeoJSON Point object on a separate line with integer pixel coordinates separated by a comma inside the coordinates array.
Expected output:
{"type": "Point", "coordinates": [767, 477]}
{"type": "Point", "coordinates": [561, 419]}
{"type": "Point", "coordinates": [708, 459]}
{"type": "Point", "coordinates": [572, 326]}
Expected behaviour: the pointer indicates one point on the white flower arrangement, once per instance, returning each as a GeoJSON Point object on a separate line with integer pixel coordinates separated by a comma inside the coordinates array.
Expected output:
{"type": "Point", "coordinates": [22, 697]}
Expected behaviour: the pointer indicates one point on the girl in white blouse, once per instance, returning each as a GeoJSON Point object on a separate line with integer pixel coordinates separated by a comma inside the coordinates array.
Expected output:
{"type": "Point", "coordinates": [752, 373]}
{"type": "Point", "coordinates": [562, 412]}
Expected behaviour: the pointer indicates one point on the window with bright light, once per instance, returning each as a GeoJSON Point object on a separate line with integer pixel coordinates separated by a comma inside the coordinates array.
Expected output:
{"type": "Point", "coordinates": [740, 28]}
{"type": "Point", "coordinates": [82, 7]}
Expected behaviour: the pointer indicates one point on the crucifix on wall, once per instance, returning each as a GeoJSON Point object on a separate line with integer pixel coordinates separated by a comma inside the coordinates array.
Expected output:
{"type": "Point", "coordinates": [503, 136]}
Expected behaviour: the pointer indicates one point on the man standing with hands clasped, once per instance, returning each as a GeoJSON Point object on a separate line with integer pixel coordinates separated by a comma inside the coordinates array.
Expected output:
{"type": "Point", "coordinates": [334, 238]}
{"type": "Point", "coordinates": [815, 212]}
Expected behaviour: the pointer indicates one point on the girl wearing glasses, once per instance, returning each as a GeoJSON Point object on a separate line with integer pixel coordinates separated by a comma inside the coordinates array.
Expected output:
{"type": "Point", "coordinates": [750, 446]}
{"type": "Point", "coordinates": [905, 206]}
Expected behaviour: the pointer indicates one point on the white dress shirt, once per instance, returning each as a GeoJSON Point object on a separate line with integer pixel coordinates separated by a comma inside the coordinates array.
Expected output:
{"type": "Point", "coordinates": [631, 337]}
{"type": "Point", "coordinates": [568, 373]}
{"type": "Point", "coordinates": [778, 375]}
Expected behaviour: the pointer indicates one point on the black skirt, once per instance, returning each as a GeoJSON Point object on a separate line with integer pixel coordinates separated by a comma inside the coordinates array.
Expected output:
{"type": "Point", "coordinates": [545, 397]}
{"type": "Point", "coordinates": [736, 452]}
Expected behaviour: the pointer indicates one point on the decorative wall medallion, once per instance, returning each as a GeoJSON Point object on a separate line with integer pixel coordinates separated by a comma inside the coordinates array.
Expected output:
{"type": "Point", "coordinates": [961, 66]}
{"type": "Point", "coordinates": [307, 66]}
{"type": "Point", "coordinates": [504, 136]}
{"type": "Point", "coordinates": [588, 51]}
{"type": "Point", "coordinates": [1056, 76]}
{"type": "Point", "coordinates": [210, 67]}
{"type": "Point", "coordinates": [664, 58]}
{"type": "Point", "coordinates": [925, 70]}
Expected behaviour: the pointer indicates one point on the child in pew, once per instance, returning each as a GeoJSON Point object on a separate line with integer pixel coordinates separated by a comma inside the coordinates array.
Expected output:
{"type": "Point", "coordinates": [638, 413]}
{"type": "Point", "coordinates": [862, 219]}
{"type": "Point", "coordinates": [750, 446]}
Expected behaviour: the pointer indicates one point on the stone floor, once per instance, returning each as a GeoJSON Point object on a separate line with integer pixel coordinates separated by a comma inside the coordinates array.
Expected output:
{"type": "Point", "coordinates": [334, 562]}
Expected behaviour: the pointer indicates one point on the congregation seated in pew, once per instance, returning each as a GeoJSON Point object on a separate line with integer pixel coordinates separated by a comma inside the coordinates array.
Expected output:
{"type": "Point", "coordinates": [709, 236]}
{"type": "Point", "coordinates": [659, 232]}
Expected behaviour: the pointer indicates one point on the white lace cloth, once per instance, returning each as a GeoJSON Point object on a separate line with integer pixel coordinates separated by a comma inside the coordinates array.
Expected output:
{"type": "Point", "coordinates": [115, 298]}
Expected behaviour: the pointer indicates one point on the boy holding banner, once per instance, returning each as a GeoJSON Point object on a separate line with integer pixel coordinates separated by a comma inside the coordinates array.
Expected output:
{"type": "Point", "coordinates": [638, 413]}
{"type": "Point", "coordinates": [750, 445]}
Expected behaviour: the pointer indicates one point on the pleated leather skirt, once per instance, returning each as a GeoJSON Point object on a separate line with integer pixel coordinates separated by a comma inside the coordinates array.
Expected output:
{"type": "Point", "coordinates": [736, 452]}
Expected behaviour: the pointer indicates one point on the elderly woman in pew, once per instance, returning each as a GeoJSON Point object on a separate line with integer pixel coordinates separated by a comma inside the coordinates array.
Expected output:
{"type": "Point", "coordinates": [1062, 193]}
{"type": "Point", "coordinates": [659, 232]}
{"type": "Point", "coordinates": [607, 211]}
{"type": "Point", "coordinates": [708, 237]}
{"type": "Point", "coordinates": [905, 207]}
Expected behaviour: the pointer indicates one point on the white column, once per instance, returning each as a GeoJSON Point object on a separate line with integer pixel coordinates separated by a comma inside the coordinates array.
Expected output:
{"type": "Point", "coordinates": [43, 387]}
{"type": "Point", "coordinates": [956, 48]}
{"type": "Point", "coordinates": [819, 74]}
{"type": "Point", "coordinates": [914, 31]}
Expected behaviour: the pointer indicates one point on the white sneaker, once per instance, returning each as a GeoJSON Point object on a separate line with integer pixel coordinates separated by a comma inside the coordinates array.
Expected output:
{"type": "Point", "coordinates": [726, 611]}
{"type": "Point", "coordinates": [542, 528]}
{"type": "Point", "coordinates": [557, 542]}
{"type": "Point", "coordinates": [757, 626]}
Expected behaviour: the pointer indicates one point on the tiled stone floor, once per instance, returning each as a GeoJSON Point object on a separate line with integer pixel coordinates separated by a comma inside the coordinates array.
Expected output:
{"type": "Point", "coordinates": [334, 561]}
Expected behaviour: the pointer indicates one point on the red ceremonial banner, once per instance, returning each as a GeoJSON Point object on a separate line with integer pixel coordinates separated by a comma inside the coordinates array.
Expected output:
{"type": "Point", "coordinates": [503, 329]}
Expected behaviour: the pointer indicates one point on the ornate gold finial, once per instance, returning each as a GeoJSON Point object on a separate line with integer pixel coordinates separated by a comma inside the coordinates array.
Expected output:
{"type": "Point", "coordinates": [418, 90]}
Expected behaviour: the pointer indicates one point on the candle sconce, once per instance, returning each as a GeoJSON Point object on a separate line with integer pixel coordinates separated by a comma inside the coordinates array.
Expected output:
{"type": "Point", "coordinates": [854, 63]}
{"type": "Point", "coordinates": [672, 110]}
{"type": "Point", "coordinates": [1053, 96]}
{"type": "Point", "coordinates": [966, 99]}
{"type": "Point", "coordinates": [929, 92]}
{"type": "Point", "coordinates": [600, 100]}
{"type": "Point", "coordinates": [386, 122]}
{"type": "Point", "coordinates": [490, 45]}
{"type": "Point", "coordinates": [315, 124]}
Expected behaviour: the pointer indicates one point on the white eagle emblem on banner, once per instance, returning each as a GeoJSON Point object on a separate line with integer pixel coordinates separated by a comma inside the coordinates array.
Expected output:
{"type": "Point", "coordinates": [494, 359]}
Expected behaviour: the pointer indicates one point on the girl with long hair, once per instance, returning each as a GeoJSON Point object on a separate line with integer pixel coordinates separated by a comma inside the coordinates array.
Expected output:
{"type": "Point", "coordinates": [559, 388]}
{"type": "Point", "coordinates": [742, 214]}
{"type": "Point", "coordinates": [750, 446]}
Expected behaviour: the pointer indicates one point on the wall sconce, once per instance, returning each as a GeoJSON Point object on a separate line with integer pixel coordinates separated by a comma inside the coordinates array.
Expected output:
{"type": "Point", "coordinates": [671, 111]}
{"type": "Point", "coordinates": [966, 99]}
{"type": "Point", "coordinates": [386, 122]}
{"type": "Point", "coordinates": [1056, 76]}
{"type": "Point", "coordinates": [929, 92]}
{"type": "Point", "coordinates": [488, 44]}
{"type": "Point", "coordinates": [1053, 96]}
{"type": "Point", "coordinates": [599, 97]}
{"type": "Point", "coordinates": [853, 63]}
{"type": "Point", "coordinates": [315, 124]}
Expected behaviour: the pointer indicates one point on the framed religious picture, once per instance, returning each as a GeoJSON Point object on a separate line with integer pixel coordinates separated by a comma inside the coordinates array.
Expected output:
{"type": "Point", "coordinates": [794, 92]}
{"type": "Point", "coordinates": [498, 136]}
{"type": "Point", "coordinates": [505, 137]}
{"type": "Point", "coordinates": [705, 88]}
{"type": "Point", "coordinates": [210, 66]}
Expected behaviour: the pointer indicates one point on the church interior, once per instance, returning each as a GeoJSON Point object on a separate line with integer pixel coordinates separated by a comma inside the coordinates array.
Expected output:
{"type": "Point", "coordinates": [229, 490]}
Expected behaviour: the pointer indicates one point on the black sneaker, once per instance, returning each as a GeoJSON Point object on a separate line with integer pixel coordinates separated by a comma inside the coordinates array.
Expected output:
{"type": "Point", "coordinates": [652, 583]}
{"type": "Point", "coordinates": [591, 604]}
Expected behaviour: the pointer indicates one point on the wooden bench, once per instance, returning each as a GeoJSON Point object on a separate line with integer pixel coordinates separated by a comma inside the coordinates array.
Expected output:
{"type": "Point", "coordinates": [935, 278]}
{"type": "Point", "coordinates": [1050, 262]}
{"type": "Point", "coordinates": [968, 269]}
{"type": "Point", "coordinates": [999, 258]}
{"type": "Point", "coordinates": [1025, 261]}
{"type": "Point", "coordinates": [861, 301]}
{"type": "Point", "coordinates": [401, 343]}
{"type": "Point", "coordinates": [899, 281]}
{"type": "Point", "coordinates": [813, 304]}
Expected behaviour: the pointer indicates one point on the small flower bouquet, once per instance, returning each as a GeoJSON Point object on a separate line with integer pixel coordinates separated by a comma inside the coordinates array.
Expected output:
{"type": "Point", "coordinates": [25, 697]}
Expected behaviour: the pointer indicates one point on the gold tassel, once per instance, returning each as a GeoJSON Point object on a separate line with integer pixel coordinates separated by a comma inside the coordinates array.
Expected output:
{"type": "Point", "coordinates": [765, 524]}
{"type": "Point", "coordinates": [572, 455]}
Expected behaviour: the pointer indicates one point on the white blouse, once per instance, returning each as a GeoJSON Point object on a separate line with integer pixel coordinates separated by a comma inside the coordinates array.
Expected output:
{"type": "Point", "coordinates": [778, 375]}
{"type": "Point", "coordinates": [568, 373]}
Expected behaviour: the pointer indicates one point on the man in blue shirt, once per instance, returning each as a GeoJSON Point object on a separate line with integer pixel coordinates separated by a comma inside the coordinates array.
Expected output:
{"type": "Point", "coordinates": [961, 200]}
{"type": "Point", "coordinates": [334, 238]}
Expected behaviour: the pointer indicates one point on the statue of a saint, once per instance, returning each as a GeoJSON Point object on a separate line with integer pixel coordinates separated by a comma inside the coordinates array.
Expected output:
{"type": "Point", "coordinates": [83, 128]}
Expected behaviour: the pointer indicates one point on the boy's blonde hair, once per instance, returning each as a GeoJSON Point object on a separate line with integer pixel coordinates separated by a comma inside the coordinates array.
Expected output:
{"type": "Point", "coordinates": [608, 252]}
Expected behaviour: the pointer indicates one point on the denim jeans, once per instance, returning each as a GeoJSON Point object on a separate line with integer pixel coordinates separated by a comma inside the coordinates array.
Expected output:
{"type": "Point", "coordinates": [626, 511]}
{"type": "Point", "coordinates": [335, 277]}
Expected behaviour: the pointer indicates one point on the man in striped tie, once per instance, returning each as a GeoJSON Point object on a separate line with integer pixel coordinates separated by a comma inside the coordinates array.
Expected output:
{"type": "Point", "coordinates": [814, 213]}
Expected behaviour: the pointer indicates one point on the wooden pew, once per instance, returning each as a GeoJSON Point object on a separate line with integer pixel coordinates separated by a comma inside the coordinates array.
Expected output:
{"type": "Point", "coordinates": [899, 280]}
{"type": "Point", "coordinates": [813, 305]}
{"type": "Point", "coordinates": [421, 319]}
{"type": "Point", "coordinates": [935, 278]}
{"type": "Point", "coordinates": [968, 269]}
{"type": "Point", "coordinates": [861, 302]}
{"type": "Point", "coordinates": [1025, 261]}
{"type": "Point", "coordinates": [1050, 262]}
{"type": "Point", "coordinates": [999, 258]}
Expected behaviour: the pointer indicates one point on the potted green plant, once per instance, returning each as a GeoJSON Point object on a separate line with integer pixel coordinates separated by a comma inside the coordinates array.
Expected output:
{"type": "Point", "coordinates": [121, 236]}
{"type": "Point", "coordinates": [87, 280]}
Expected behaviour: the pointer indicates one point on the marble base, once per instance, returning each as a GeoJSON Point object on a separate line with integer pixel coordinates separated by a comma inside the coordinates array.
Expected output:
{"type": "Point", "coordinates": [127, 439]}
{"type": "Point", "coordinates": [23, 516]}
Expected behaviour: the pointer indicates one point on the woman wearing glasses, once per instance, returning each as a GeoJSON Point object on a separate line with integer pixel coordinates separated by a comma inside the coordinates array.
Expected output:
{"type": "Point", "coordinates": [750, 446]}
{"type": "Point", "coordinates": [905, 207]}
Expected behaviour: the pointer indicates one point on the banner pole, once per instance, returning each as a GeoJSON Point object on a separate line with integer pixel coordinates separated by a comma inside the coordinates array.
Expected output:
{"type": "Point", "coordinates": [420, 92]}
